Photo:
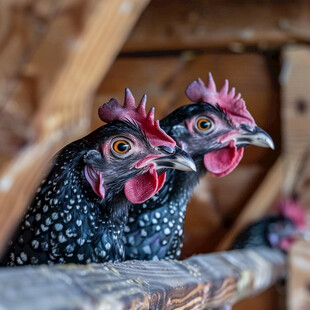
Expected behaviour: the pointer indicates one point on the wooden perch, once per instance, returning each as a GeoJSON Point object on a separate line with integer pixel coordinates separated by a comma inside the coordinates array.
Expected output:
{"type": "Point", "coordinates": [196, 283]}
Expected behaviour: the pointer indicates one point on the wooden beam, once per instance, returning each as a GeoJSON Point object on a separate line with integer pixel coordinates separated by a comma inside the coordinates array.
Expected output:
{"type": "Point", "coordinates": [298, 293]}
{"type": "Point", "coordinates": [23, 27]}
{"type": "Point", "coordinates": [258, 205]}
{"type": "Point", "coordinates": [197, 24]}
{"type": "Point", "coordinates": [196, 283]}
{"type": "Point", "coordinates": [64, 109]}
{"type": "Point", "coordinates": [295, 79]}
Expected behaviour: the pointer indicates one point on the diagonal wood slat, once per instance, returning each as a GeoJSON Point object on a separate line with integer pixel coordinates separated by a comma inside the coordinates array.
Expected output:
{"type": "Point", "coordinates": [258, 205]}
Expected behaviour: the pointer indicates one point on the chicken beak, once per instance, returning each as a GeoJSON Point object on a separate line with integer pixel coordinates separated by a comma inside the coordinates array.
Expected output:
{"type": "Point", "coordinates": [257, 137]}
{"type": "Point", "coordinates": [178, 160]}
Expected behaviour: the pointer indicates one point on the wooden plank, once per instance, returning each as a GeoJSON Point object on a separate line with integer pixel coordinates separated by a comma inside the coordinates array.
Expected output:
{"type": "Point", "coordinates": [295, 79]}
{"type": "Point", "coordinates": [296, 145]}
{"type": "Point", "coordinates": [86, 65]}
{"type": "Point", "coordinates": [196, 283]}
{"type": "Point", "coordinates": [23, 26]}
{"type": "Point", "coordinates": [298, 293]}
{"type": "Point", "coordinates": [236, 25]}
{"type": "Point", "coordinates": [64, 109]}
{"type": "Point", "coordinates": [258, 205]}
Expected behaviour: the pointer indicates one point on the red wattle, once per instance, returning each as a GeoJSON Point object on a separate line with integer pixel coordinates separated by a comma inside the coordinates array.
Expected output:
{"type": "Point", "coordinates": [143, 187]}
{"type": "Point", "coordinates": [223, 161]}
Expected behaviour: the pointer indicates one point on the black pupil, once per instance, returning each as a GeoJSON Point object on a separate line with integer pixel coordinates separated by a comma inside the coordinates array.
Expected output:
{"type": "Point", "coordinates": [204, 124]}
{"type": "Point", "coordinates": [122, 147]}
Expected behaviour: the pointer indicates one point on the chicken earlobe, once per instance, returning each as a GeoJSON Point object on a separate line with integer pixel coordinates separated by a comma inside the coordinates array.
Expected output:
{"type": "Point", "coordinates": [95, 179]}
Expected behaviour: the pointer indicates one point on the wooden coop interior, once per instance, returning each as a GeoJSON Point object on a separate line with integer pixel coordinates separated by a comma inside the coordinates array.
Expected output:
{"type": "Point", "coordinates": [60, 60]}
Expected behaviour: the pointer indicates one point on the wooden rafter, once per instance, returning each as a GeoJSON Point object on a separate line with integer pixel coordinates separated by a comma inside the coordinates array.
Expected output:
{"type": "Point", "coordinates": [198, 24]}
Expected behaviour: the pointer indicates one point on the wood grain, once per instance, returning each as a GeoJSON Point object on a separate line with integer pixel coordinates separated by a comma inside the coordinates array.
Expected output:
{"type": "Point", "coordinates": [196, 283]}
{"type": "Point", "coordinates": [298, 293]}
{"type": "Point", "coordinates": [234, 25]}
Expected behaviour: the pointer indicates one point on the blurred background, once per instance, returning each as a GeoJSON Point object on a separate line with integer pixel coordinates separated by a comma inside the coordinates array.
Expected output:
{"type": "Point", "coordinates": [60, 60]}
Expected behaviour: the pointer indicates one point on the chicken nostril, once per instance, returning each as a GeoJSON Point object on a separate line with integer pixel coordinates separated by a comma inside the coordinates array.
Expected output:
{"type": "Point", "coordinates": [166, 149]}
{"type": "Point", "coordinates": [246, 127]}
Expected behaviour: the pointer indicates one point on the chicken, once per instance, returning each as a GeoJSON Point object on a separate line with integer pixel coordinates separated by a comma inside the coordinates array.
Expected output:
{"type": "Point", "coordinates": [275, 231]}
{"type": "Point", "coordinates": [79, 211]}
{"type": "Point", "coordinates": [278, 231]}
{"type": "Point", "coordinates": [214, 131]}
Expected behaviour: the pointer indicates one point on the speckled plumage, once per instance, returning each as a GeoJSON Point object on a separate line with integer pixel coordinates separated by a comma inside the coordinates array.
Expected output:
{"type": "Point", "coordinates": [67, 222]}
{"type": "Point", "coordinates": [155, 229]}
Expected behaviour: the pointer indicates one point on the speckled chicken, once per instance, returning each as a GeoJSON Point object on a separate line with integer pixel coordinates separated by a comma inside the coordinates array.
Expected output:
{"type": "Point", "coordinates": [214, 131]}
{"type": "Point", "coordinates": [276, 231]}
{"type": "Point", "coordinates": [79, 211]}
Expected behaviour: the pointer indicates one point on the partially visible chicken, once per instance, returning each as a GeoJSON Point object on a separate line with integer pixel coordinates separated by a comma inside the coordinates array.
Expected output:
{"type": "Point", "coordinates": [214, 131]}
{"type": "Point", "coordinates": [275, 231]}
{"type": "Point", "coordinates": [79, 211]}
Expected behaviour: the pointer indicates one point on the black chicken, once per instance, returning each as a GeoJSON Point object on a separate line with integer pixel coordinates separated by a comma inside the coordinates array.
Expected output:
{"type": "Point", "coordinates": [79, 212]}
{"type": "Point", "coordinates": [276, 231]}
{"type": "Point", "coordinates": [214, 132]}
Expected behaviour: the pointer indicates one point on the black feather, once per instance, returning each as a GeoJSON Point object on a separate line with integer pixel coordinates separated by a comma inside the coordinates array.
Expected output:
{"type": "Point", "coordinates": [155, 228]}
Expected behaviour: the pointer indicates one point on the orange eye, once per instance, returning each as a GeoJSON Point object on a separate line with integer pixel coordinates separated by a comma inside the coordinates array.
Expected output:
{"type": "Point", "coordinates": [121, 146]}
{"type": "Point", "coordinates": [204, 124]}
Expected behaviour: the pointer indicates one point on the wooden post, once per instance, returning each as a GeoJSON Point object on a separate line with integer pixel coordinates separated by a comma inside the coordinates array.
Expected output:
{"type": "Point", "coordinates": [195, 283]}
{"type": "Point", "coordinates": [295, 78]}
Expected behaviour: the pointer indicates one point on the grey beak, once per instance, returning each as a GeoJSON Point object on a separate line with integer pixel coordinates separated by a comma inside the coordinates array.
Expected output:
{"type": "Point", "coordinates": [257, 137]}
{"type": "Point", "coordinates": [178, 160]}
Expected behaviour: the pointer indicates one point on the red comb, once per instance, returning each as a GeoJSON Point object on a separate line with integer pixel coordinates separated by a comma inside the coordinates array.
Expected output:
{"type": "Point", "coordinates": [113, 111]}
{"type": "Point", "coordinates": [292, 210]}
{"type": "Point", "coordinates": [227, 100]}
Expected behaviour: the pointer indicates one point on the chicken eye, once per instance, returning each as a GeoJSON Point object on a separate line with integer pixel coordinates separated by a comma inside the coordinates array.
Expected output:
{"type": "Point", "coordinates": [204, 124]}
{"type": "Point", "coordinates": [121, 146]}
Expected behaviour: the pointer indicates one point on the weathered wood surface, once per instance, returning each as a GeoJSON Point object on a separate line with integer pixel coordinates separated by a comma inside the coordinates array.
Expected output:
{"type": "Point", "coordinates": [236, 25]}
{"type": "Point", "coordinates": [59, 101]}
{"type": "Point", "coordinates": [196, 283]}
